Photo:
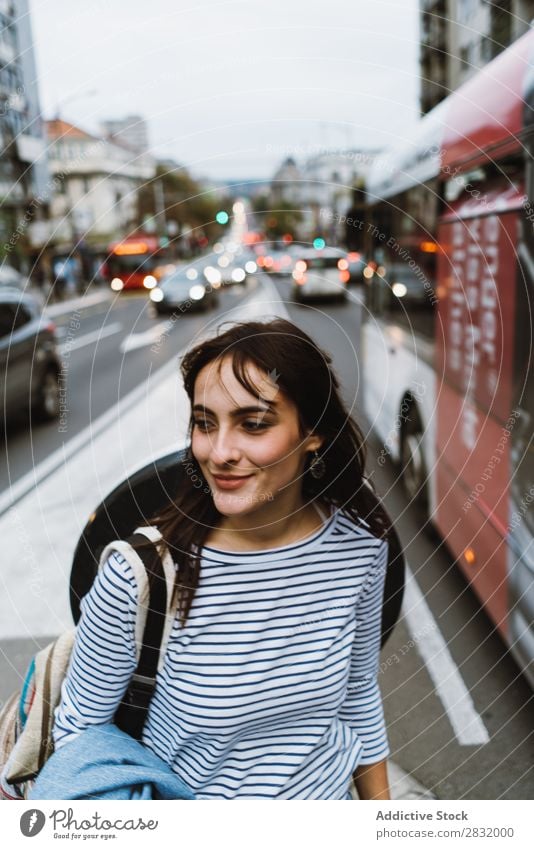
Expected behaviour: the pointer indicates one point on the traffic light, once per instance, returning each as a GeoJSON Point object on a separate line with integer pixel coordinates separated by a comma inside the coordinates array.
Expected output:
{"type": "Point", "coordinates": [319, 243]}
{"type": "Point", "coordinates": [222, 217]}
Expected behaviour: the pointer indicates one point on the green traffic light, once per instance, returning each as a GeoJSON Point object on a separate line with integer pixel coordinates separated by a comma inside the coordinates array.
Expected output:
{"type": "Point", "coordinates": [319, 243]}
{"type": "Point", "coordinates": [222, 217]}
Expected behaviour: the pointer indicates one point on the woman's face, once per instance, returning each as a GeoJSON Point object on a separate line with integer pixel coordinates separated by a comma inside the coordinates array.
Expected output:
{"type": "Point", "coordinates": [254, 437]}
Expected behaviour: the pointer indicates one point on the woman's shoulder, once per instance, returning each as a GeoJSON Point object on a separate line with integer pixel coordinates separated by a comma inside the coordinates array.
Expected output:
{"type": "Point", "coordinates": [121, 566]}
{"type": "Point", "coordinates": [124, 554]}
{"type": "Point", "coordinates": [352, 528]}
{"type": "Point", "coordinates": [116, 570]}
{"type": "Point", "coordinates": [114, 591]}
{"type": "Point", "coordinates": [130, 561]}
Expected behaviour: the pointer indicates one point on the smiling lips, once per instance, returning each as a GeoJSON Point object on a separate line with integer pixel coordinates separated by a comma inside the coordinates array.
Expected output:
{"type": "Point", "coordinates": [230, 481]}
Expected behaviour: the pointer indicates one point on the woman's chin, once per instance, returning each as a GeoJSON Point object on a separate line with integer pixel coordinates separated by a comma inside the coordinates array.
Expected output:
{"type": "Point", "coordinates": [232, 504]}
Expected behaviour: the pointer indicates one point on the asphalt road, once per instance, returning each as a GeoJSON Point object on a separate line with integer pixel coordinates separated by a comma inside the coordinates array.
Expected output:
{"type": "Point", "coordinates": [459, 714]}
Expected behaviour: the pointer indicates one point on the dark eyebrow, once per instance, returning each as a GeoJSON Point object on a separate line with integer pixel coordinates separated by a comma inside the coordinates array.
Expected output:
{"type": "Point", "coordinates": [240, 411]}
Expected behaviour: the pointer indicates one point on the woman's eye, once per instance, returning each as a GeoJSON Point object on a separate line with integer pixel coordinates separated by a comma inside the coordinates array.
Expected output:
{"type": "Point", "coordinates": [254, 424]}
{"type": "Point", "coordinates": [250, 424]}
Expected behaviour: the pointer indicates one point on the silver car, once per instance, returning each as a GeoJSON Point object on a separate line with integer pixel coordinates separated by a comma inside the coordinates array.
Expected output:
{"type": "Point", "coordinates": [316, 274]}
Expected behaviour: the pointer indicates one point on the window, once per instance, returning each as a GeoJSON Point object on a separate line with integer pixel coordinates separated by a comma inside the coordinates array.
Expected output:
{"type": "Point", "coordinates": [465, 56]}
{"type": "Point", "coordinates": [12, 318]}
{"type": "Point", "coordinates": [501, 25]}
{"type": "Point", "coordinates": [322, 262]}
{"type": "Point", "coordinates": [22, 316]}
{"type": "Point", "coordinates": [7, 319]}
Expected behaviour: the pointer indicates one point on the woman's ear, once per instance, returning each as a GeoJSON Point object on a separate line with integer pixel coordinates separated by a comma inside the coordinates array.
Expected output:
{"type": "Point", "coordinates": [315, 442]}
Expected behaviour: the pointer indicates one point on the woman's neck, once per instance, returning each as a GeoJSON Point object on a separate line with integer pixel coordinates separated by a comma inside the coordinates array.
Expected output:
{"type": "Point", "coordinates": [262, 531]}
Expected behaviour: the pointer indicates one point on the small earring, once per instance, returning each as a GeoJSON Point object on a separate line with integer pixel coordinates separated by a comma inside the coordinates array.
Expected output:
{"type": "Point", "coordinates": [317, 466]}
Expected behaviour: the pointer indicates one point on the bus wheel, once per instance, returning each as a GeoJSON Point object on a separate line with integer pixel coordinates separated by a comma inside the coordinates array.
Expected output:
{"type": "Point", "coordinates": [413, 469]}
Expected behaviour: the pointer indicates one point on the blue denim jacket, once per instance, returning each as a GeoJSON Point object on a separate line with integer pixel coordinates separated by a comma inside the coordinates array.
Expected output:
{"type": "Point", "coordinates": [105, 763]}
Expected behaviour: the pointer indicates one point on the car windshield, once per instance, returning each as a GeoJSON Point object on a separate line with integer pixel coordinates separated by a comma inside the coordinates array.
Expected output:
{"type": "Point", "coordinates": [178, 280]}
{"type": "Point", "coordinates": [132, 262]}
{"type": "Point", "coordinates": [322, 262]}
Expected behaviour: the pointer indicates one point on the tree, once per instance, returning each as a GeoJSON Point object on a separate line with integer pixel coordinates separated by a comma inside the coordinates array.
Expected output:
{"type": "Point", "coordinates": [277, 220]}
{"type": "Point", "coordinates": [184, 201]}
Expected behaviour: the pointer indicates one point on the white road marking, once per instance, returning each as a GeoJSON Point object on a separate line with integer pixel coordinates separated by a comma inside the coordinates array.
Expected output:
{"type": "Point", "coordinates": [466, 722]}
{"type": "Point", "coordinates": [73, 304]}
{"type": "Point", "coordinates": [88, 338]}
{"type": "Point", "coordinates": [46, 510]}
{"type": "Point", "coordinates": [147, 337]}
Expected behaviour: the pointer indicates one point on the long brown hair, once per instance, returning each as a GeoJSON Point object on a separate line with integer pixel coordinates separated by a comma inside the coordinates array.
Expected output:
{"type": "Point", "coordinates": [304, 373]}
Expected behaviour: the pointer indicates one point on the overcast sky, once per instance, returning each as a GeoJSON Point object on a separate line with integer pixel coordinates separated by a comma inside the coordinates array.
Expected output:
{"type": "Point", "coordinates": [231, 87]}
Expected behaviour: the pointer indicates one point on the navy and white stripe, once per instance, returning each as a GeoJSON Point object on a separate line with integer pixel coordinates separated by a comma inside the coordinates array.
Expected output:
{"type": "Point", "coordinates": [270, 691]}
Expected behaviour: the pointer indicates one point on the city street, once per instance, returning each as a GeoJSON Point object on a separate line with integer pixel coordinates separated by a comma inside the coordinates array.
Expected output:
{"type": "Point", "coordinates": [266, 297]}
{"type": "Point", "coordinates": [458, 711]}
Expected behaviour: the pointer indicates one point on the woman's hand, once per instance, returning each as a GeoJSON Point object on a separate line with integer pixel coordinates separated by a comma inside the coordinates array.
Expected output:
{"type": "Point", "coordinates": [372, 780]}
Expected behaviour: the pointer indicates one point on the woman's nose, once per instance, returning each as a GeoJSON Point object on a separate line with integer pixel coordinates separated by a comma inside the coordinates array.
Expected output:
{"type": "Point", "coordinates": [224, 448]}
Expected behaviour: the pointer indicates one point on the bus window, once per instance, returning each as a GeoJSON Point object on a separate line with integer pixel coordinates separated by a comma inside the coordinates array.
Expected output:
{"type": "Point", "coordinates": [403, 295]}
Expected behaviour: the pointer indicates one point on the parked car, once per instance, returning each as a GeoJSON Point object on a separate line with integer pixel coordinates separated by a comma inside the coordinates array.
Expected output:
{"type": "Point", "coordinates": [234, 268]}
{"type": "Point", "coordinates": [183, 290]}
{"type": "Point", "coordinates": [30, 365]}
{"type": "Point", "coordinates": [317, 275]}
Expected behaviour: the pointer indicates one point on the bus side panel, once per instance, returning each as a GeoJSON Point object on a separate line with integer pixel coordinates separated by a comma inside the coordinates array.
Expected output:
{"type": "Point", "coordinates": [476, 277]}
{"type": "Point", "coordinates": [464, 515]}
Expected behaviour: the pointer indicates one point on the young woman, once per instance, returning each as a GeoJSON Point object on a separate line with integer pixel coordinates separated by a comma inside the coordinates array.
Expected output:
{"type": "Point", "coordinates": [269, 687]}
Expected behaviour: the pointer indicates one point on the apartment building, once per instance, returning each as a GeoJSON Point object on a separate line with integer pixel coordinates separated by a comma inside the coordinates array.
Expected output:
{"type": "Point", "coordinates": [458, 37]}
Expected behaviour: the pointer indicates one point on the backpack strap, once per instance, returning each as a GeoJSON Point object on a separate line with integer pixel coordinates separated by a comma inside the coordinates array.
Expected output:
{"type": "Point", "coordinates": [133, 709]}
{"type": "Point", "coordinates": [147, 665]}
{"type": "Point", "coordinates": [134, 558]}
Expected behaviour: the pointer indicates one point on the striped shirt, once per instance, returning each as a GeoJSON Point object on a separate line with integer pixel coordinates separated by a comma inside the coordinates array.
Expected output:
{"type": "Point", "coordinates": [270, 690]}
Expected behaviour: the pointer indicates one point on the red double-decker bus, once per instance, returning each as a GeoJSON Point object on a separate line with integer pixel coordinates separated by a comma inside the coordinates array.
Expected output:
{"type": "Point", "coordinates": [449, 330]}
{"type": "Point", "coordinates": [135, 262]}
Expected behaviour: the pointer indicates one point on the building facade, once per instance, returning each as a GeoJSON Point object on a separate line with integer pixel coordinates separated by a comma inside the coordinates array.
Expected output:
{"type": "Point", "coordinates": [131, 131]}
{"type": "Point", "coordinates": [286, 185]}
{"type": "Point", "coordinates": [458, 37]}
{"type": "Point", "coordinates": [24, 178]}
{"type": "Point", "coordinates": [322, 189]}
{"type": "Point", "coordinates": [96, 184]}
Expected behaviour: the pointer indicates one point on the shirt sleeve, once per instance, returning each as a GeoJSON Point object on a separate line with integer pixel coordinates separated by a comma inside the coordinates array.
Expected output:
{"type": "Point", "coordinates": [362, 708]}
{"type": "Point", "coordinates": [103, 657]}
